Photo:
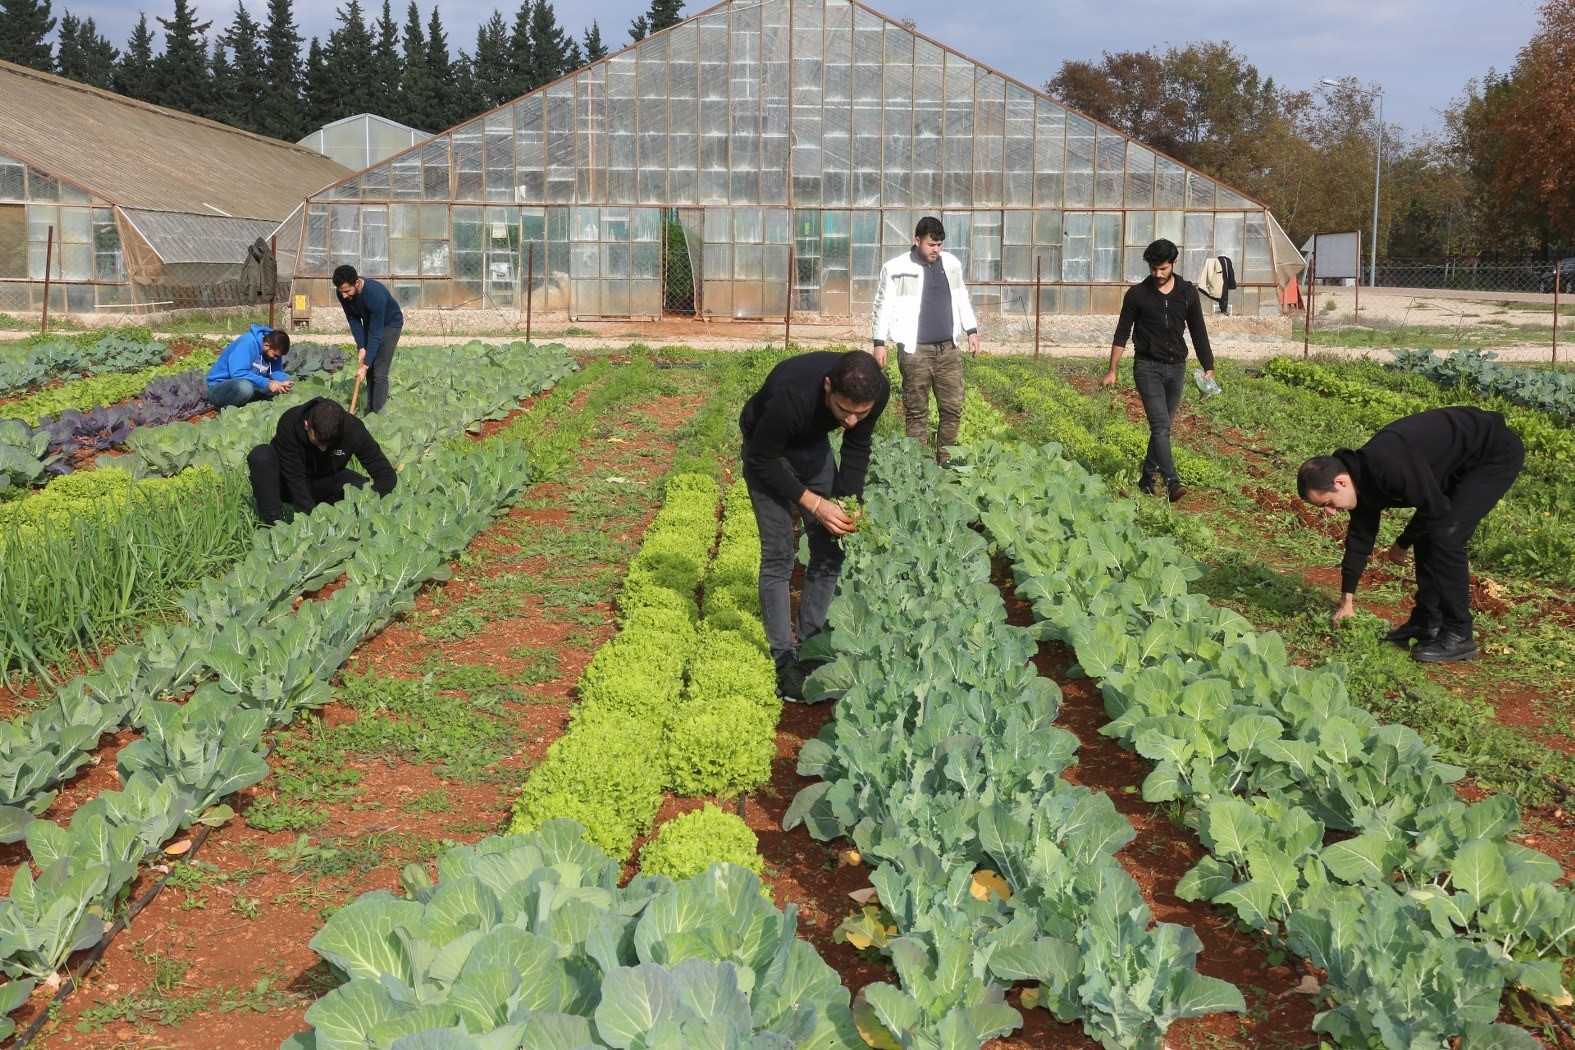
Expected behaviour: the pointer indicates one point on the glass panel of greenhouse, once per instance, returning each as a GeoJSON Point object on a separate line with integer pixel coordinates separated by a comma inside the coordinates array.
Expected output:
{"type": "Point", "coordinates": [763, 157]}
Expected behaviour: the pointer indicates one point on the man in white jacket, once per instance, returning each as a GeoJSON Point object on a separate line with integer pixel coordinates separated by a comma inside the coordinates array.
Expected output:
{"type": "Point", "coordinates": [922, 308]}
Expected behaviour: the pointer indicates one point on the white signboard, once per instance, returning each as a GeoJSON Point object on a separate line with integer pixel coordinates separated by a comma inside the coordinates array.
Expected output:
{"type": "Point", "coordinates": [1337, 255]}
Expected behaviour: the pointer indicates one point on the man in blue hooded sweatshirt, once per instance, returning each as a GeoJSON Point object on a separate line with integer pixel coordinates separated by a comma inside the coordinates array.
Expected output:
{"type": "Point", "coordinates": [250, 368]}
{"type": "Point", "coordinates": [375, 322]}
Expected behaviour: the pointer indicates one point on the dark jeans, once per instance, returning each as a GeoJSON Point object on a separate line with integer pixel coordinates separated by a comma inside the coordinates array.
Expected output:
{"type": "Point", "coordinates": [232, 393]}
{"type": "Point", "coordinates": [377, 371]}
{"type": "Point", "coordinates": [268, 484]}
{"type": "Point", "coordinates": [1443, 574]}
{"type": "Point", "coordinates": [1159, 384]}
{"type": "Point", "coordinates": [936, 366]}
{"type": "Point", "coordinates": [816, 469]}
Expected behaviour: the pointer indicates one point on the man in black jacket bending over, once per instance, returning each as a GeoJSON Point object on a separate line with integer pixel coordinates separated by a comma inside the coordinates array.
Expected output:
{"type": "Point", "coordinates": [1453, 465]}
{"type": "Point", "coordinates": [788, 462]}
{"type": "Point", "coordinates": [307, 462]}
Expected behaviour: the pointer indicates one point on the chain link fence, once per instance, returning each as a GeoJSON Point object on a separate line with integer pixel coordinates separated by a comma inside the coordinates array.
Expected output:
{"type": "Point", "coordinates": [1470, 275]}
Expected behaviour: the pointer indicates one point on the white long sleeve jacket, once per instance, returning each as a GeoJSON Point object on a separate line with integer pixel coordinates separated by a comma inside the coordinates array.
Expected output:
{"type": "Point", "coordinates": [897, 295]}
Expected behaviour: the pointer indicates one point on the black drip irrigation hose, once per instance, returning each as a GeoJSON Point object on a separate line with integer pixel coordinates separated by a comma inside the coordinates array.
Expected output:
{"type": "Point", "coordinates": [97, 951]}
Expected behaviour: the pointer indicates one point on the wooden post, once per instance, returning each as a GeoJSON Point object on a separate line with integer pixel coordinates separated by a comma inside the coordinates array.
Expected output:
{"type": "Point", "coordinates": [49, 257]}
{"type": "Point", "coordinates": [1312, 297]}
{"type": "Point", "coordinates": [1558, 286]}
{"type": "Point", "coordinates": [1038, 275]}
{"type": "Point", "coordinates": [787, 315]}
{"type": "Point", "coordinates": [530, 281]}
{"type": "Point", "coordinates": [1356, 311]}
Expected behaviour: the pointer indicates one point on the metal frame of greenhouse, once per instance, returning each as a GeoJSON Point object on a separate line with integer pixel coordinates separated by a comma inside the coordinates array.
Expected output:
{"type": "Point", "coordinates": [764, 158]}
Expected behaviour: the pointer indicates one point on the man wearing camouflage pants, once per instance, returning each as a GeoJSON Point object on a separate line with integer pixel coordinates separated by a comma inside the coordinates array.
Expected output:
{"type": "Point", "coordinates": [922, 306]}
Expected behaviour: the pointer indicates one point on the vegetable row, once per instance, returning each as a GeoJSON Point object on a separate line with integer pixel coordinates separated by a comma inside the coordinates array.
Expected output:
{"type": "Point", "coordinates": [39, 359]}
{"type": "Point", "coordinates": [1339, 838]}
{"type": "Point", "coordinates": [94, 552]}
{"type": "Point", "coordinates": [707, 683]}
{"type": "Point", "coordinates": [943, 767]}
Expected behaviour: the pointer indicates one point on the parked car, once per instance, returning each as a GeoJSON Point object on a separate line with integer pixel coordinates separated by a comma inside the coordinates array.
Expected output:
{"type": "Point", "coordinates": [1566, 271]}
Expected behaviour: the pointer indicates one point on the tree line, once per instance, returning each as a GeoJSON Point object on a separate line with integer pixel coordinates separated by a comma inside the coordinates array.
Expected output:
{"type": "Point", "coordinates": [254, 76]}
{"type": "Point", "coordinates": [1498, 181]}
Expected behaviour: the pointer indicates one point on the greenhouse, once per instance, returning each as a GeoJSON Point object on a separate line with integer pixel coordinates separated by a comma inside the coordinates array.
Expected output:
{"type": "Point", "coordinates": [362, 140]}
{"type": "Point", "coordinates": [117, 205]}
{"type": "Point", "coordinates": [766, 157]}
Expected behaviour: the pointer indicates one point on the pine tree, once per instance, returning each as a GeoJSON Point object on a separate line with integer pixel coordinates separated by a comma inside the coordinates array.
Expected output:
{"type": "Point", "coordinates": [662, 15]}
{"type": "Point", "coordinates": [446, 109]}
{"type": "Point", "coordinates": [573, 58]}
{"type": "Point", "coordinates": [223, 102]}
{"type": "Point", "coordinates": [490, 68]}
{"type": "Point", "coordinates": [181, 77]}
{"type": "Point", "coordinates": [134, 72]}
{"type": "Point", "coordinates": [417, 93]}
{"type": "Point", "coordinates": [282, 112]}
{"type": "Point", "coordinates": [24, 28]}
{"type": "Point", "coordinates": [594, 48]}
{"type": "Point", "coordinates": [348, 54]}
{"type": "Point", "coordinates": [387, 66]}
{"type": "Point", "coordinates": [520, 52]}
{"type": "Point", "coordinates": [320, 88]}
{"type": "Point", "coordinates": [250, 68]}
{"type": "Point", "coordinates": [84, 56]}
{"type": "Point", "coordinates": [549, 46]}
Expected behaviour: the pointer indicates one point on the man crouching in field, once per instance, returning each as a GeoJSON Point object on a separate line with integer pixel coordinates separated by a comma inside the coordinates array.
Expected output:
{"type": "Point", "coordinates": [787, 463]}
{"type": "Point", "coordinates": [307, 462]}
{"type": "Point", "coordinates": [1453, 465]}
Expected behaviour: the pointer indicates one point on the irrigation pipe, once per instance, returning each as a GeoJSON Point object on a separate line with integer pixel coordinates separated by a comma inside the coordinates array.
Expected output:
{"type": "Point", "coordinates": [97, 951]}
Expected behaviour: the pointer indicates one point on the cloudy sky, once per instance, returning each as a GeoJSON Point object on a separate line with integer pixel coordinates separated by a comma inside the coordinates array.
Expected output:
{"type": "Point", "coordinates": [1421, 52]}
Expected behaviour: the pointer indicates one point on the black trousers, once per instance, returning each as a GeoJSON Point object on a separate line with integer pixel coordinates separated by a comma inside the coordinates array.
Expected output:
{"type": "Point", "coordinates": [1443, 574]}
{"type": "Point", "coordinates": [268, 484]}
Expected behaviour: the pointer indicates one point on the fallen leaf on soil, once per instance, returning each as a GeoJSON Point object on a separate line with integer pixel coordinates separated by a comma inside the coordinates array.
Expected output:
{"type": "Point", "coordinates": [1309, 986]}
{"type": "Point", "coordinates": [848, 858]}
{"type": "Point", "coordinates": [864, 896]}
{"type": "Point", "coordinates": [988, 882]}
{"type": "Point", "coordinates": [175, 849]}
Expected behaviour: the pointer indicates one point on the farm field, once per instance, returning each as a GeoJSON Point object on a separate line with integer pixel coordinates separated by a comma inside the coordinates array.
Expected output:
{"type": "Point", "coordinates": [1065, 847]}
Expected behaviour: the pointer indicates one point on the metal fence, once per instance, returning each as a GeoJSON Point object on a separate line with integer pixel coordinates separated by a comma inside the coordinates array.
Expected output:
{"type": "Point", "coordinates": [1470, 275]}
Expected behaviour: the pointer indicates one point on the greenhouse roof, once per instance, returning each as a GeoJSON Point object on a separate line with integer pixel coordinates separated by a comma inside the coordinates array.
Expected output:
{"type": "Point", "coordinates": [138, 155]}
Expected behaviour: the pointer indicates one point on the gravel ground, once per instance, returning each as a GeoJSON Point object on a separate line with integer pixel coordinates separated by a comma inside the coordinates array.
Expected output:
{"type": "Point", "coordinates": [1238, 338]}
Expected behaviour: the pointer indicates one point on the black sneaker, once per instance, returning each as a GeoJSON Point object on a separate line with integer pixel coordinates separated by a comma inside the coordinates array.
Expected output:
{"type": "Point", "coordinates": [1146, 484]}
{"type": "Point", "coordinates": [1403, 634]}
{"type": "Point", "coordinates": [790, 682]}
{"type": "Point", "coordinates": [1447, 648]}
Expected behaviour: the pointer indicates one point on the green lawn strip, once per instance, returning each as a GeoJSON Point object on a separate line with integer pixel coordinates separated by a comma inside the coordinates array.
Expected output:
{"type": "Point", "coordinates": [1381, 678]}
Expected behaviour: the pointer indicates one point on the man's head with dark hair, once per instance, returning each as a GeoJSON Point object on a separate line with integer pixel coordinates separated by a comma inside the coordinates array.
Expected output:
{"type": "Point", "coordinates": [278, 342]}
{"type": "Point", "coordinates": [1325, 481]}
{"type": "Point", "coordinates": [852, 386]}
{"type": "Point", "coordinates": [928, 236]}
{"type": "Point", "coordinates": [325, 423]}
{"type": "Point", "coordinates": [1160, 251]}
{"type": "Point", "coordinates": [345, 274]}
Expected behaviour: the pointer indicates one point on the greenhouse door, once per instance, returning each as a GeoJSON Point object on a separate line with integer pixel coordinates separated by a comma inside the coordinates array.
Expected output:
{"type": "Point", "coordinates": [682, 230]}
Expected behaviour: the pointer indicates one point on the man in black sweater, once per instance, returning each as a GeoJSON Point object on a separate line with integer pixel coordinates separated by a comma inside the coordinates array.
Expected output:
{"type": "Point", "coordinates": [1155, 312]}
{"type": "Point", "coordinates": [307, 462]}
{"type": "Point", "coordinates": [788, 462]}
{"type": "Point", "coordinates": [1453, 465]}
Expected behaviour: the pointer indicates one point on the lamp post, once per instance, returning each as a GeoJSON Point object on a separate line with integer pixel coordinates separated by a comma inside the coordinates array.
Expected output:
{"type": "Point", "coordinates": [1378, 168]}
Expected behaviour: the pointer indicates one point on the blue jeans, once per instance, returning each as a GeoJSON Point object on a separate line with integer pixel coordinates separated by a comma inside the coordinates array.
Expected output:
{"type": "Point", "coordinates": [232, 393]}
{"type": "Point", "coordinates": [1159, 384]}
{"type": "Point", "coordinates": [774, 514]}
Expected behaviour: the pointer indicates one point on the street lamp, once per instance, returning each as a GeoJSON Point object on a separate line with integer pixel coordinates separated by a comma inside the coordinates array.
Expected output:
{"type": "Point", "coordinates": [1378, 167]}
